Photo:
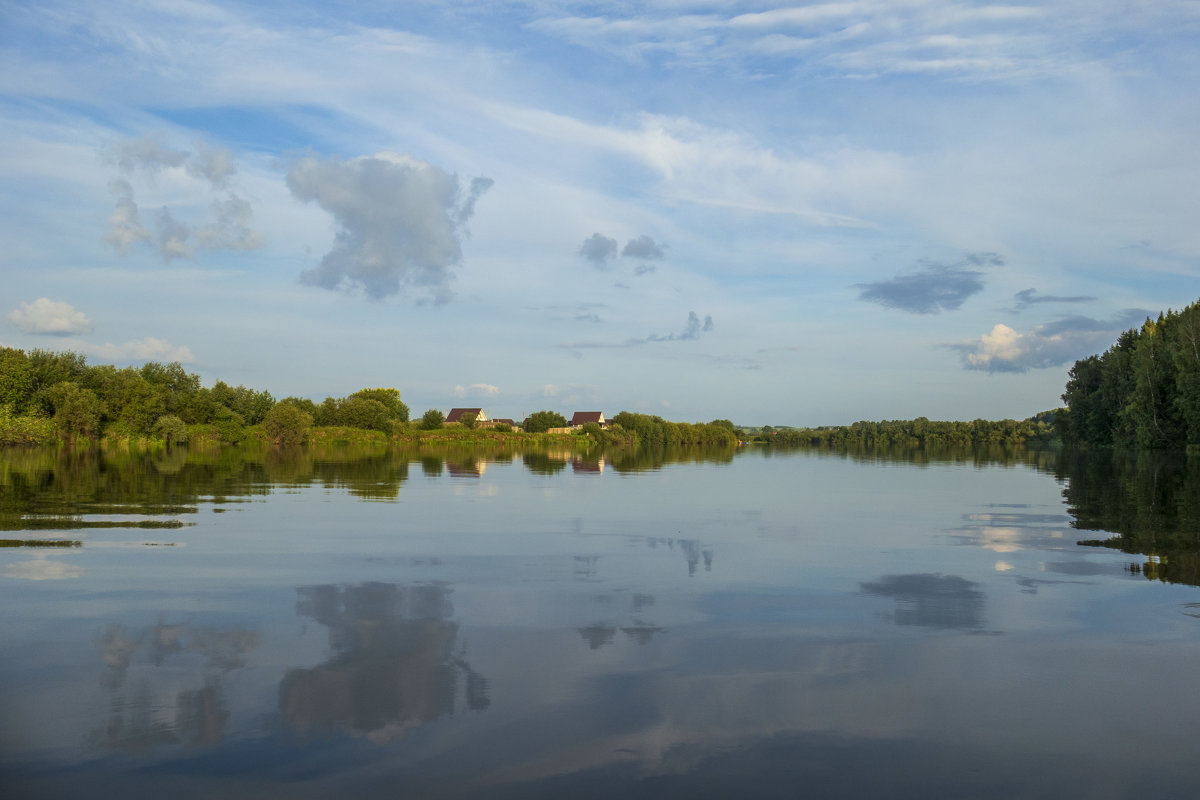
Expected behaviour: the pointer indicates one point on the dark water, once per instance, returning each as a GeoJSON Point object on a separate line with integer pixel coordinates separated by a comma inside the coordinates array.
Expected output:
{"type": "Point", "coordinates": [458, 625]}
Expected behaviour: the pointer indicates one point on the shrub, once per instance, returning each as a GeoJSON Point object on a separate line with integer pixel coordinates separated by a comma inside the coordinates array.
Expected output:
{"type": "Point", "coordinates": [432, 419]}
{"type": "Point", "coordinates": [171, 429]}
{"type": "Point", "coordinates": [286, 425]}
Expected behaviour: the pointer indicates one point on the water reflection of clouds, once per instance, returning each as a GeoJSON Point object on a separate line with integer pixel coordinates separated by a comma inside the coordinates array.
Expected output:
{"type": "Point", "coordinates": [147, 708]}
{"type": "Point", "coordinates": [1009, 532]}
{"type": "Point", "coordinates": [43, 567]}
{"type": "Point", "coordinates": [394, 665]}
{"type": "Point", "coordinates": [946, 602]}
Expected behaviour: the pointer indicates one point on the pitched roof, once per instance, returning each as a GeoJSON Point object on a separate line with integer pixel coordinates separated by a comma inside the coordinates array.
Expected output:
{"type": "Point", "coordinates": [456, 414]}
{"type": "Point", "coordinates": [582, 417]}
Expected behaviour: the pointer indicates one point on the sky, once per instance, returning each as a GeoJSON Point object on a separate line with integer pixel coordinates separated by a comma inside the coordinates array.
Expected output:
{"type": "Point", "coordinates": [775, 213]}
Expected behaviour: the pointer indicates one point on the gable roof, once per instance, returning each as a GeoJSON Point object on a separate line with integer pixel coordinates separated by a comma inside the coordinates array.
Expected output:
{"type": "Point", "coordinates": [582, 417]}
{"type": "Point", "coordinates": [456, 414]}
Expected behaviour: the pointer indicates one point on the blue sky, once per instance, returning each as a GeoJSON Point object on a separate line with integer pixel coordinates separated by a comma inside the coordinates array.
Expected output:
{"type": "Point", "coordinates": [788, 214]}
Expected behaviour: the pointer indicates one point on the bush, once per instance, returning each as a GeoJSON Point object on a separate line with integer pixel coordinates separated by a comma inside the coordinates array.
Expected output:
{"type": "Point", "coordinates": [76, 411]}
{"type": "Point", "coordinates": [432, 419]}
{"type": "Point", "coordinates": [171, 429]}
{"type": "Point", "coordinates": [542, 421]}
{"type": "Point", "coordinates": [286, 425]}
{"type": "Point", "coordinates": [231, 428]}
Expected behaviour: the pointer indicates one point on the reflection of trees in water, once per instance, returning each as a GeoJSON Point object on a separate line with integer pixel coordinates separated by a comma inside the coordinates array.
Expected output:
{"type": "Point", "coordinates": [693, 550]}
{"type": "Point", "coordinates": [1040, 458]}
{"type": "Point", "coordinates": [143, 711]}
{"type": "Point", "coordinates": [1149, 499]}
{"type": "Point", "coordinates": [602, 633]}
{"type": "Point", "coordinates": [394, 666]}
{"type": "Point", "coordinates": [931, 600]}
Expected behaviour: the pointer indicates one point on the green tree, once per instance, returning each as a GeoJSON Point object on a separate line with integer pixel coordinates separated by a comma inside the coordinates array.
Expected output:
{"type": "Point", "coordinates": [76, 411]}
{"type": "Point", "coordinates": [287, 425]}
{"type": "Point", "coordinates": [390, 398]}
{"type": "Point", "coordinates": [542, 421]}
{"type": "Point", "coordinates": [469, 420]}
{"type": "Point", "coordinates": [171, 429]}
{"type": "Point", "coordinates": [16, 380]}
{"type": "Point", "coordinates": [358, 412]}
{"type": "Point", "coordinates": [432, 419]}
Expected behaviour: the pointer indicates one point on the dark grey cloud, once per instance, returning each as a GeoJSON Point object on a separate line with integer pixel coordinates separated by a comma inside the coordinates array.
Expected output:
{"type": "Point", "coordinates": [932, 600]}
{"type": "Point", "coordinates": [693, 329]}
{"type": "Point", "coordinates": [1004, 349]}
{"type": "Point", "coordinates": [1028, 297]}
{"type": "Point", "coordinates": [598, 249]}
{"type": "Point", "coordinates": [937, 288]}
{"type": "Point", "coordinates": [643, 247]}
{"type": "Point", "coordinates": [399, 223]}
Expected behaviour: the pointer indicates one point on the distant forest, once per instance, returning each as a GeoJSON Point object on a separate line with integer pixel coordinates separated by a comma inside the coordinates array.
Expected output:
{"type": "Point", "coordinates": [51, 398]}
{"type": "Point", "coordinates": [1143, 392]}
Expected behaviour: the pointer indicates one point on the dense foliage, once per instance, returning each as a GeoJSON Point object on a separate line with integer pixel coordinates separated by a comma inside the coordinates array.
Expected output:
{"type": "Point", "coordinates": [653, 431]}
{"type": "Point", "coordinates": [542, 421]}
{"type": "Point", "coordinates": [919, 432]}
{"type": "Point", "coordinates": [48, 397]}
{"type": "Point", "coordinates": [1144, 391]}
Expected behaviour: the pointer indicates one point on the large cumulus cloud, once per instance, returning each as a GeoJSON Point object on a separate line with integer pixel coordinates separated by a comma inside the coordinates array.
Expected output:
{"type": "Point", "coordinates": [399, 222]}
{"type": "Point", "coordinates": [1003, 349]}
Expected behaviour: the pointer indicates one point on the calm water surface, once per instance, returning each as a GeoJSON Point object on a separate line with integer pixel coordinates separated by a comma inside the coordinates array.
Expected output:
{"type": "Point", "coordinates": [758, 625]}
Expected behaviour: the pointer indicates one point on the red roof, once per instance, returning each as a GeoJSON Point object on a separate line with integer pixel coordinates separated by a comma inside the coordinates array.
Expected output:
{"type": "Point", "coordinates": [456, 414]}
{"type": "Point", "coordinates": [582, 417]}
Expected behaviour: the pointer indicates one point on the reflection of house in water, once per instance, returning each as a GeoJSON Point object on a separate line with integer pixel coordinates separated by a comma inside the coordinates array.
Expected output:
{"type": "Point", "coordinates": [587, 466]}
{"type": "Point", "coordinates": [471, 468]}
{"type": "Point", "coordinates": [393, 667]}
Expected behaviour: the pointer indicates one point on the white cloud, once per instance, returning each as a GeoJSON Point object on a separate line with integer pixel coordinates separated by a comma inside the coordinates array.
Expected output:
{"type": "Point", "coordinates": [476, 389]}
{"type": "Point", "coordinates": [125, 229]}
{"type": "Point", "coordinates": [42, 569]}
{"type": "Point", "coordinates": [50, 317]}
{"type": "Point", "coordinates": [1054, 344]}
{"type": "Point", "coordinates": [229, 226]}
{"type": "Point", "coordinates": [146, 349]}
{"type": "Point", "coordinates": [399, 221]}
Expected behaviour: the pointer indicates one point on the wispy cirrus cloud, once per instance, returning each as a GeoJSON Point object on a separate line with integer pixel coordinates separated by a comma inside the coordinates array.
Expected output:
{"type": "Point", "coordinates": [693, 329]}
{"type": "Point", "coordinates": [1029, 297]}
{"type": "Point", "coordinates": [476, 389]}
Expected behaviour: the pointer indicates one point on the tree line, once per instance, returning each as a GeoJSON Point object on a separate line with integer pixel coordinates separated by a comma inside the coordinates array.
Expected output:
{"type": "Point", "coordinates": [1142, 392]}
{"type": "Point", "coordinates": [919, 432]}
{"type": "Point", "coordinates": [49, 397]}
